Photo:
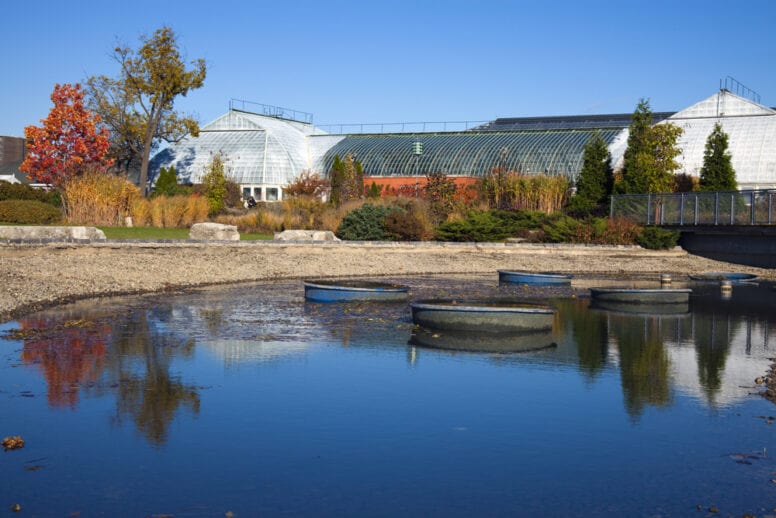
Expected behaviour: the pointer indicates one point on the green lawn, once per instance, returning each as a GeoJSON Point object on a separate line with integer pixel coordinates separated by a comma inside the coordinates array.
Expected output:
{"type": "Point", "coordinates": [164, 233]}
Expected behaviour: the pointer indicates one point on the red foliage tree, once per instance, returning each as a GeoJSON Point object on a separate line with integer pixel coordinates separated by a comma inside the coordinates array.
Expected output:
{"type": "Point", "coordinates": [69, 142]}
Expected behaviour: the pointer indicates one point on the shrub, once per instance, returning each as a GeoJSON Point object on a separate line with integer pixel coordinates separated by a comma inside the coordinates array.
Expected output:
{"type": "Point", "coordinates": [98, 198]}
{"type": "Point", "coordinates": [308, 184]}
{"type": "Point", "coordinates": [303, 212]}
{"type": "Point", "coordinates": [479, 226]}
{"type": "Point", "coordinates": [233, 196]}
{"type": "Point", "coordinates": [656, 238]}
{"type": "Point", "coordinates": [215, 184]}
{"type": "Point", "coordinates": [22, 191]}
{"type": "Point", "coordinates": [29, 212]}
{"type": "Point", "coordinates": [166, 183]}
{"type": "Point", "coordinates": [407, 226]}
{"type": "Point", "coordinates": [604, 231]}
{"type": "Point", "coordinates": [366, 223]}
{"type": "Point", "coordinates": [560, 229]}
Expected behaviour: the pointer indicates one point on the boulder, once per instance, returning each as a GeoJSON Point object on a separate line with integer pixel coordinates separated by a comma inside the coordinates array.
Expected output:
{"type": "Point", "coordinates": [52, 233]}
{"type": "Point", "coordinates": [306, 235]}
{"type": "Point", "coordinates": [214, 232]}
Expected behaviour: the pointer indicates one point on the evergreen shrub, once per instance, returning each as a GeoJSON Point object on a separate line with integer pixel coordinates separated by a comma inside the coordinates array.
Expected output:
{"type": "Point", "coordinates": [366, 223]}
{"type": "Point", "coordinates": [29, 212]}
{"type": "Point", "coordinates": [656, 238]}
{"type": "Point", "coordinates": [22, 191]}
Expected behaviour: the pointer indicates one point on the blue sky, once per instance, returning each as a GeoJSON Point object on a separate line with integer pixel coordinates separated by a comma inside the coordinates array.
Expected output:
{"type": "Point", "coordinates": [349, 62]}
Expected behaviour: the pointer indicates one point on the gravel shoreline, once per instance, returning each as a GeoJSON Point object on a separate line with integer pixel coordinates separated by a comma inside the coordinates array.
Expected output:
{"type": "Point", "coordinates": [42, 275]}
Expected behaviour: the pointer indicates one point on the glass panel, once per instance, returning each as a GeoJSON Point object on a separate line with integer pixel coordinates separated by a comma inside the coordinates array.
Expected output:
{"type": "Point", "coordinates": [246, 192]}
{"type": "Point", "coordinates": [272, 194]}
{"type": "Point", "coordinates": [257, 193]}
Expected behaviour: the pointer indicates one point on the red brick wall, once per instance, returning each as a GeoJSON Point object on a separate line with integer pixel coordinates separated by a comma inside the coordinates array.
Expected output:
{"type": "Point", "coordinates": [412, 185]}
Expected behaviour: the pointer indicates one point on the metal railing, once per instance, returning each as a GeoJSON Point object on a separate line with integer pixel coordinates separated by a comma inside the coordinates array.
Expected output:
{"type": "Point", "coordinates": [754, 207]}
{"type": "Point", "coordinates": [272, 111]}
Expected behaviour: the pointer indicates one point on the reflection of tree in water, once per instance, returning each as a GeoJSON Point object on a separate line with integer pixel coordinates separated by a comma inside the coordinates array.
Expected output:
{"type": "Point", "coordinates": [69, 352]}
{"type": "Point", "coordinates": [589, 331]}
{"type": "Point", "coordinates": [712, 346]}
{"type": "Point", "coordinates": [644, 363]}
{"type": "Point", "coordinates": [152, 398]}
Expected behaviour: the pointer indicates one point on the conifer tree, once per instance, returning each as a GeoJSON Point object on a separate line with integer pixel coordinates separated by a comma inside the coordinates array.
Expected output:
{"type": "Point", "coordinates": [596, 179]}
{"type": "Point", "coordinates": [166, 182]}
{"type": "Point", "coordinates": [717, 173]}
{"type": "Point", "coordinates": [649, 162]}
{"type": "Point", "coordinates": [347, 179]}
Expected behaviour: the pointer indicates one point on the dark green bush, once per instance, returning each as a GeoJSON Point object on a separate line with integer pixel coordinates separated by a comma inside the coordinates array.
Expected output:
{"type": "Point", "coordinates": [29, 212]}
{"type": "Point", "coordinates": [560, 228]}
{"type": "Point", "coordinates": [404, 226]}
{"type": "Point", "coordinates": [656, 238]}
{"type": "Point", "coordinates": [366, 223]}
{"type": "Point", "coordinates": [22, 191]}
{"type": "Point", "coordinates": [479, 226]}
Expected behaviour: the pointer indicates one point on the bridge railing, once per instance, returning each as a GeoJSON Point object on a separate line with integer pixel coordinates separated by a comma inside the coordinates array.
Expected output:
{"type": "Point", "coordinates": [755, 207]}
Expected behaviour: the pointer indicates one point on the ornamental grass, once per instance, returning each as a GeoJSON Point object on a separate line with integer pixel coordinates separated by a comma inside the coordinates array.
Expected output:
{"type": "Point", "coordinates": [100, 199]}
{"type": "Point", "coordinates": [179, 211]}
{"type": "Point", "coordinates": [517, 191]}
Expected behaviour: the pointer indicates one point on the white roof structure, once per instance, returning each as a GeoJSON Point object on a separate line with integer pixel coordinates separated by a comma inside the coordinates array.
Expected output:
{"type": "Point", "coordinates": [257, 149]}
{"type": "Point", "coordinates": [751, 129]}
{"type": "Point", "coordinates": [269, 149]}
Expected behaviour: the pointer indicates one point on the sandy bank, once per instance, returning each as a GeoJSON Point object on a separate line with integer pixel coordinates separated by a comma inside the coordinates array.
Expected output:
{"type": "Point", "coordinates": [35, 276]}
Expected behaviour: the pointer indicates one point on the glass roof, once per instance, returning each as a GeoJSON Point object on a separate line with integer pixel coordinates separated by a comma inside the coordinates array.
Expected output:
{"type": "Point", "coordinates": [257, 149]}
{"type": "Point", "coordinates": [467, 153]}
{"type": "Point", "coordinates": [261, 149]}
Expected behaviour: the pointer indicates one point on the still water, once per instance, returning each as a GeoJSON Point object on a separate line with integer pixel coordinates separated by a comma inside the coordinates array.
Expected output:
{"type": "Point", "coordinates": [248, 400]}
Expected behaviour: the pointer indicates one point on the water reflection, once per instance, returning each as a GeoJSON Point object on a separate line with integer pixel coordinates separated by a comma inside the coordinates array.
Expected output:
{"type": "Point", "coordinates": [70, 353]}
{"type": "Point", "coordinates": [712, 350]}
{"type": "Point", "coordinates": [130, 356]}
{"type": "Point", "coordinates": [140, 359]}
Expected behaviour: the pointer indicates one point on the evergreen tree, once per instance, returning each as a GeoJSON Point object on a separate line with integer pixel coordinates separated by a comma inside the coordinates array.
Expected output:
{"type": "Point", "coordinates": [717, 173]}
{"type": "Point", "coordinates": [166, 182]}
{"type": "Point", "coordinates": [347, 180]}
{"type": "Point", "coordinates": [596, 179]}
{"type": "Point", "coordinates": [633, 178]}
{"type": "Point", "coordinates": [214, 182]}
{"type": "Point", "coordinates": [336, 177]}
{"type": "Point", "coordinates": [649, 162]}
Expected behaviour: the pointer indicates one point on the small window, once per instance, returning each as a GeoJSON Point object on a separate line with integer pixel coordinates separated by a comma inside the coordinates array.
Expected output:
{"type": "Point", "coordinates": [257, 193]}
{"type": "Point", "coordinates": [246, 192]}
{"type": "Point", "coordinates": [272, 194]}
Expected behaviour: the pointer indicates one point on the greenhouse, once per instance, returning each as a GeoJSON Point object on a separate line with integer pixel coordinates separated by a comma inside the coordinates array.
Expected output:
{"type": "Point", "coordinates": [751, 130]}
{"type": "Point", "coordinates": [265, 149]}
{"type": "Point", "coordinates": [261, 152]}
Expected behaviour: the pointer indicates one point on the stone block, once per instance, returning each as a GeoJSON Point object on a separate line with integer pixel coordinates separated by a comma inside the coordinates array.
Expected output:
{"type": "Point", "coordinates": [52, 233]}
{"type": "Point", "coordinates": [213, 232]}
{"type": "Point", "coordinates": [306, 235]}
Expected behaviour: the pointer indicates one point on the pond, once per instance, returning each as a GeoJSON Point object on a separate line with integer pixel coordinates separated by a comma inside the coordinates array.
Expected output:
{"type": "Point", "coordinates": [248, 401]}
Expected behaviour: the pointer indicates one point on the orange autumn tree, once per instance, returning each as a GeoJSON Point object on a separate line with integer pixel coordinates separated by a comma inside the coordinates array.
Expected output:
{"type": "Point", "coordinates": [69, 142]}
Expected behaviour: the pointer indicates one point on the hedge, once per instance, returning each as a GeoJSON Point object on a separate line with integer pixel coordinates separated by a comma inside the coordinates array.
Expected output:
{"type": "Point", "coordinates": [29, 212]}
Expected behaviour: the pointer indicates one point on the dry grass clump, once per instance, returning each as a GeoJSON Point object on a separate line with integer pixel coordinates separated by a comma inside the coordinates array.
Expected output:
{"type": "Point", "coordinates": [517, 191]}
{"type": "Point", "coordinates": [98, 198]}
{"type": "Point", "coordinates": [180, 211]}
{"type": "Point", "coordinates": [140, 210]}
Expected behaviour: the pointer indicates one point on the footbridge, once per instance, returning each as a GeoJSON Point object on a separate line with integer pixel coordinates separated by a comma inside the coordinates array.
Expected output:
{"type": "Point", "coordinates": [733, 226]}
